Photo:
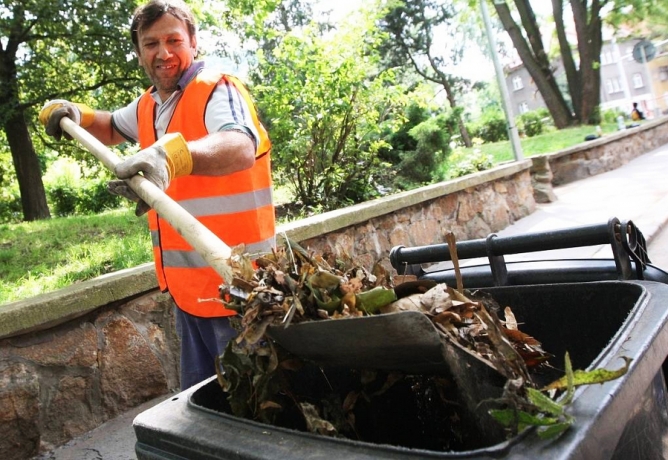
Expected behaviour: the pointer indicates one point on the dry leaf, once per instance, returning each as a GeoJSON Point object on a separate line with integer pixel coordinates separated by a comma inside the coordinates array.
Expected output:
{"type": "Point", "coordinates": [511, 322]}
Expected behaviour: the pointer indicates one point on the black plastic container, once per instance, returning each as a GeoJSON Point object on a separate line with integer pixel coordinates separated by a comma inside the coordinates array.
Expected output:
{"type": "Point", "coordinates": [597, 323]}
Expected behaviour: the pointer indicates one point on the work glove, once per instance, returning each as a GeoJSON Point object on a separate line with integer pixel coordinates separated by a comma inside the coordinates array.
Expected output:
{"type": "Point", "coordinates": [53, 111]}
{"type": "Point", "coordinates": [160, 163]}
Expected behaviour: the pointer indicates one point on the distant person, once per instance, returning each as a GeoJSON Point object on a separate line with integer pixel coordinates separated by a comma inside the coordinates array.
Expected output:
{"type": "Point", "coordinates": [636, 114]}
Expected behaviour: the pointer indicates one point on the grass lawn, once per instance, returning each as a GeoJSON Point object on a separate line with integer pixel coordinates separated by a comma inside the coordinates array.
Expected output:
{"type": "Point", "coordinates": [43, 256]}
{"type": "Point", "coordinates": [548, 142]}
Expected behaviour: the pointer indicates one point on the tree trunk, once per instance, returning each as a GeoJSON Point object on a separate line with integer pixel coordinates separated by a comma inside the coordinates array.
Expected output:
{"type": "Point", "coordinates": [570, 67]}
{"type": "Point", "coordinates": [590, 42]}
{"type": "Point", "coordinates": [537, 65]}
{"type": "Point", "coordinates": [27, 167]}
{"type": "Point", "coordinates": [466, 137]}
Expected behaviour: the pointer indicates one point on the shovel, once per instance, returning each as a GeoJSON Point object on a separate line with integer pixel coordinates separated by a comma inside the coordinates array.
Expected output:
{"type": "Point", "coordinates": [203, 240]}
{"type": "Point", "coordinates": [404, 341]}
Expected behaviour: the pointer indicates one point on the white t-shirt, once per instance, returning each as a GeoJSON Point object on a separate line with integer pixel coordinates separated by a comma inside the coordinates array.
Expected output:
{"type": "Point", "coordinates": [226, 110]}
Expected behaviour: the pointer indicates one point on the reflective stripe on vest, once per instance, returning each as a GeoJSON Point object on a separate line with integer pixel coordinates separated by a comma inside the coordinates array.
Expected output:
{"type": "Point", "coordinates": [238, 208]}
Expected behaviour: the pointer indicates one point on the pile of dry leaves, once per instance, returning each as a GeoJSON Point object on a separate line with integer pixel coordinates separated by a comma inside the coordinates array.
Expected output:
{"type": "Point", "coordinates": [291, 286]}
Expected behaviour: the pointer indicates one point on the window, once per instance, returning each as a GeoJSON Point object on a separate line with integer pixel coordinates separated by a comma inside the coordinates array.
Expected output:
{"type": "Point", "coordinates": [637, 80]}
{"type": "Point", "coordinates": [613, 85]}
{"type": "Point", "coordinates": [663, 73]}
{"type": "Point", "coordinates": [517, 83]}
{"type": "Point", "coordinates": [524, 107]}
{"type": "Point", "coordinates": [607, 58]}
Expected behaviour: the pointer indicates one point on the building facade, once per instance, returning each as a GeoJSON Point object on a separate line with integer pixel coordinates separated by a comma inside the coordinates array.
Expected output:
{"type": "Point", "coordinates": [624, 81]}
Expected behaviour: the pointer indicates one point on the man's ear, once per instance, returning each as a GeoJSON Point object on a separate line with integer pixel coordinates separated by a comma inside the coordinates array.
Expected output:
{"type": "Point", "coordinates": [193, 46]}
{"type": "Point", "coordinates": [139, 59]}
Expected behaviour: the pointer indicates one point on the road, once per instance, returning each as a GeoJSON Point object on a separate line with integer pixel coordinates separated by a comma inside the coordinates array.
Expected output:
{"type": "Point", "coordinates": [658, 249]}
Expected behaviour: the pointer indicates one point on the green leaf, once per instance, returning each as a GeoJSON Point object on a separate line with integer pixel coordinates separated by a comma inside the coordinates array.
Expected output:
{"type": "Point", "coordinates": [371, 301]}
{"type": "Point", "coordinates": [555, 430]}
{"type": "Point", "coordinates": [544, 403]}
{"type": "Point", "coordinates": [579, 377]}
{"type": "Point", "coordinates": [510, 417]}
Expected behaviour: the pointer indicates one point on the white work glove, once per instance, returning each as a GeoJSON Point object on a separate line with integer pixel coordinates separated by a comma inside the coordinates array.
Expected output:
{"type": "Point", "coordinates": [168, 158]}
{"type": "Point", "coordinates": [54, 111]}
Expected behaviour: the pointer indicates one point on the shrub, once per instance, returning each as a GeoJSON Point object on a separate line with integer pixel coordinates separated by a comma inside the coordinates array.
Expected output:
{"type": "Point", "coordinates": [63, 199]}
{"type": "Point", "coordinates": [11, 209]}
{"type": "Point", "coordinates": [70, 193]}
{"type": "Point", "coordinates": [94, 198]}
{"type": "Point", "coordinates": [610, 115]}
{"type": "Point", "coordinates": [531, 123]}
{"type": "Point", "coordinates": [460, 163]}
{"type": "Point", "coordinates": [432, 147]}
{"type": "Point", "coordinates": [491, 127]}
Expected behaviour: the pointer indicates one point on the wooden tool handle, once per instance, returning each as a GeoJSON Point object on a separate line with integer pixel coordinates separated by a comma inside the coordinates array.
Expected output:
{"type": "Point", "coordinates": [204, 241]}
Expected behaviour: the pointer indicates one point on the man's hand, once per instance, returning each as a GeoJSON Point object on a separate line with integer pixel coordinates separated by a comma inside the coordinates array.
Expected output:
{"type": "Point", "coordinates": [168, 158]}
{"type": "Point", "coordinates": [54, 111]}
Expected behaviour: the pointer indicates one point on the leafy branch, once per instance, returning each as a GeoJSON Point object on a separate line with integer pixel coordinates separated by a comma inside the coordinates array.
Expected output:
{"type": "Point", "coordinates": [547, 415]}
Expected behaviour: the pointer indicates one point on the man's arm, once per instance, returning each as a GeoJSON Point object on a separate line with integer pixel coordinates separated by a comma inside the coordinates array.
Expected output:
{"type": "Point", "coordinates": [222, 153]}
{"type": "Point", "coordinates": [103, 130]}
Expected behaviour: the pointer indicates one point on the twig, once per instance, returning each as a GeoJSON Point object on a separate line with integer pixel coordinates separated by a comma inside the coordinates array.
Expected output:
{"type": "Point", "coordinates": [452, 246]}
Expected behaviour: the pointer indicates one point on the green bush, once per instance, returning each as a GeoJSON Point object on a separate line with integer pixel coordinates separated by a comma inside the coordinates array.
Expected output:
{"type": "Point", "coordinates": [11, 209]}
{"type": "Point", "coordinates": [462, 162]}
{"type": "Point", "coordinates": [432, 147]}
{"type": "Point", "coordinates": [70, 193]}
{"type": "Point", "coordinates": [610, 115]}
{"type": "Point", "coordinates": [491, 127]}
{"type": "Point", "coordinates": [93, 197]}
{"type": "Point", "coordinates": [531, 123]}
{"type": "Point", "coordinates": [63, 199]}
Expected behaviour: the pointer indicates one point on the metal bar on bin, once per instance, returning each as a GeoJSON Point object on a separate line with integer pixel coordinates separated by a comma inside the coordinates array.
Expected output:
{"type": "Point", "coordinates": [589, 235]}
{"type": "Point", "coordinates": [497, 263]}
{"type": "Point", "coordinates": [614, 233]}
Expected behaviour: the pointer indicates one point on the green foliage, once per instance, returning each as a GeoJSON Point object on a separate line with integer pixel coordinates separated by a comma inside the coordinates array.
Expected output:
{"type": "Point", "coordinates": [10, 204]}
{"type": "Point", "coordinates": [70, 193]}
{"type": "Point", "coordinates": [326, 106]}
{"type": "Point", "coordinates": [532, 123]}
{"type": "Point", "coordinates": [547, 415]}
{"type": "Point", "coordinates": [491, 127]}
{"type": "Point", "coordinates": [419, 145]}
{"type": "Point", "coordinates": [466, 161]}
{"type": "Point", "coordinates": [610, 115]}
{"type": "Point", "coordinates": [46, 255]}
{"type": "Point", "coordinates": [10, 199]}
{"type": "Point", "coordinates": [432, 147]}
{"type": "Point", "coordinates": [71, 49]}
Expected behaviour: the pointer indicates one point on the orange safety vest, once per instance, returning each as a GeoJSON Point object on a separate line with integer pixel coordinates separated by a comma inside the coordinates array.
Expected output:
{"type": "Point", "coordinates": [238, 208]}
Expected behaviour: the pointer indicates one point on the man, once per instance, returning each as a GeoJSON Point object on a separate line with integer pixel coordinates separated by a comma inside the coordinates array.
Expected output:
{"type": "Point", "coordinates": [636, 114]}
{"type": "Point", "coordinates": [203, 144]}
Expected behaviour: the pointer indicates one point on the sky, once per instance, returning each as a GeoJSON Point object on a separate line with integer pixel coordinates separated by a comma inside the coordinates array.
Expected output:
{"type": "Point", "coordinates": [475, 66]}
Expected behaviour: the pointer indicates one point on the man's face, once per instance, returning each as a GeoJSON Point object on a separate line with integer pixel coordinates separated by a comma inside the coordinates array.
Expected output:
{"type": "Point", "coordinates": [165, 52]}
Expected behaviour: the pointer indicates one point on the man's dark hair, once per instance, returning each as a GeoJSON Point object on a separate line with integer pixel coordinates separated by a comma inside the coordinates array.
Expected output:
{"type": "Point", "coordinates": [146, 15]}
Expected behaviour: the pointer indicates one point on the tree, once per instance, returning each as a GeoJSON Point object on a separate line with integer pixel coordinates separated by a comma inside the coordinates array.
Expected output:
{"type": "Point", "coordinates": [326, 105]}
{"type": "Point", "coordinates": [412, 27]}
{"type": "Point", "coordinates": [528, 42]}
{"type": "Point", "coordinates": [581, 60]}
{"type": "Point", "coordinates": [66, 49]}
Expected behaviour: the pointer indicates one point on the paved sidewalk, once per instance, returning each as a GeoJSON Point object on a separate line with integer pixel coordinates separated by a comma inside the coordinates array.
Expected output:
{"type": "Point", "coordinates": [637, 191]}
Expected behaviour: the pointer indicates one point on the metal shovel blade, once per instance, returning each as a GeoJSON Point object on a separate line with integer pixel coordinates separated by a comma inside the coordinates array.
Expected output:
{"type": "Point", "coordinates": [405, 341]}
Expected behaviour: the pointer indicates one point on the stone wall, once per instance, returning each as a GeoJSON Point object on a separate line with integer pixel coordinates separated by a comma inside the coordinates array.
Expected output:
{"type": "Point", "coordinates": [607, 153]}
{"type": "Point", "coordinates": [72, 359]}
{"type": "Point", "coordinates": [63, 381]}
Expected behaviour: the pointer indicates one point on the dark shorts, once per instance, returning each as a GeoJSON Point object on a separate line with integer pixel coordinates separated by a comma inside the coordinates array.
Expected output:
{"type": "Point", "coordinates": [202, 341]}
